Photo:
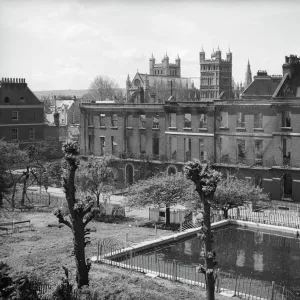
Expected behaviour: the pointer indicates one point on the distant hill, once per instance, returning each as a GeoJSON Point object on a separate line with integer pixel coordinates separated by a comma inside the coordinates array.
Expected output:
{"type": "Point", "coordinates": [77, 93]}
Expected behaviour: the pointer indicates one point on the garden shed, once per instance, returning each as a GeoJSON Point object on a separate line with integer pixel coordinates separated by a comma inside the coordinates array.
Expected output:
{"type": "Point", "coordinates": [177, 216]}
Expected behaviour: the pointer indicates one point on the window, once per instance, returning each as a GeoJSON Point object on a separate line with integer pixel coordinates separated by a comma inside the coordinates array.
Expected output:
{"type": "Point", "coordinates": [187, 149]}
{"type": "Point", "coordinates": [114, 145]}
{"type": "Point", "coordinates": [203, 153]}
{"type": "Point", "coordinates": [155, 146]}
{"type": "Point", "coordinates": [114, 120]}
{"type": "Point", "coordinates": [286, 155]}
{"type": "Point", "coordinates": [155, 122]}
{"type": "Point", "coordinates": [31, 133]}
{"type": "Point", "coordinates": [172, 120]}
{"type": "Point", "coordinates": [258, 120]}
{"type": "Point", "coordinates": [142, 144]}
{"type": "Point", "coordinates": [129, 121]}
{"type": "Point", "coordinates": [90, 120]}
{"type": "Point", "coordinates": [6, 100]}
{"type": "Point", "coordinates": [14, 134]}
{"type": "Point", "coordinates": [102, 120]}
{"type": "Point", "coordinates": [258, 152]}
{"type": "Point", "coordinates": [203, 121]}
{"type": "Point", "coordinates": [102, 145]}
{"type": "Point", "coordinates": [91, 143]}
{"type": "Point", "coordinates": [286, 118]}
{"type": "Point", "coordinates": [240, 120]}
{"type": "Point", "coordinates": [224, 119]}
{"type": "Point", "coordinates": [129, 144]}
{"type": "Point", "coordinates": [241, 151]}
{"type": "Point", "coordinates": [187, 120]}
{"type": "Point", "coordinates": [173, 147]}
{"type": "Point", "coordinates": [22, 100]}
{"type": "Point", "coordinates": [15, 115]}
{"type": "Point", "coordinates": [143, 121]}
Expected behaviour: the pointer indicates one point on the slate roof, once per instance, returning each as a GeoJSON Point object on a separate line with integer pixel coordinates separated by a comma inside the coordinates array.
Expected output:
{"type": "Point", "coordinates": [263, 86]}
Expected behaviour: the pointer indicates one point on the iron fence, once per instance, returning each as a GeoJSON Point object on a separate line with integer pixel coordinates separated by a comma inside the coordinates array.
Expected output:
{"type": "Point", "coordinates": [234, 284]}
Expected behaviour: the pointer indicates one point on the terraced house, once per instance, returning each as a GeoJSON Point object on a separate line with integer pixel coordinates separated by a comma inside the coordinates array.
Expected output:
{"type": "Point", "coordinates": [256, 137]}
{"type": "Point", "coordinates": [21, 113]}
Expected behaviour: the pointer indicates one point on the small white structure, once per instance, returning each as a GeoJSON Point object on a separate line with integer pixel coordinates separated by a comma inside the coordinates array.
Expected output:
{"type": "Point", "coordinates": [177, 216]}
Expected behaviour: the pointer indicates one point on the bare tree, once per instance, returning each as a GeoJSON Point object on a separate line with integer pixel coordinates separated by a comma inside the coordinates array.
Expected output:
{"type": "Point", "coordinates": [102, 88]}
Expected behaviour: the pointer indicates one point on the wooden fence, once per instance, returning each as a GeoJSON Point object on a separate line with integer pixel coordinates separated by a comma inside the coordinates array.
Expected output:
{"type": "Point", "coordinates": [243, 287]}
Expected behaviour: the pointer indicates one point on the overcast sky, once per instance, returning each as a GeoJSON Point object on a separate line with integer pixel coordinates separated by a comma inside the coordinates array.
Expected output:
{"type": "Point", "coordinates": [65, 44]}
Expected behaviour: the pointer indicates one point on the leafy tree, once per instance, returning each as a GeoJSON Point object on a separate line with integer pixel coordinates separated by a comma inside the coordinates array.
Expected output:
{"type": "Point", "coordinates": [80, 214]}
{"type": "Point", "coordinates": [102, 88]}
{"type": "Point", "coordinates": [233, 192]}
{"type": "Point", "coordinates": [161, 190]}
{"type": "Point", "coordinates": [205, 180]}
{"type": "Point", "coordinates": [96, 176]}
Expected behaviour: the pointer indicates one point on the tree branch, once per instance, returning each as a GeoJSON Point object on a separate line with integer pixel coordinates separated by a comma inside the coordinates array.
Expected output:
{"type": "Point", "coordinates": [61, 219]}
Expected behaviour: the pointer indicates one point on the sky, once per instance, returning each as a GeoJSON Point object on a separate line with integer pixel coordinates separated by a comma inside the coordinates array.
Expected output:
{"type": "Point", "coordinates": [65, 44]}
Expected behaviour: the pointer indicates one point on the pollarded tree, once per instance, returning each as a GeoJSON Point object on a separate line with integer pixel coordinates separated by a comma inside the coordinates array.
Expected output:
{"type": "Point", "coordinates": [80, 214]}
{"type": "Point", "coordinates": [233, 192]}
{"type": "Point", "coordinates": [206, 180]}
{"type": "Point", "coordinates": [96, 176]}
{"type": "Point", "coordinates": [161, 190]}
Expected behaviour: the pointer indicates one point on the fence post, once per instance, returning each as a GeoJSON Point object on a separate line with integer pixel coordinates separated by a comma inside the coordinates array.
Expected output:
{"type": "Point", "coordinates": [49, 199]}
{"type": "Point", "coordinates": [235, 287]}
{"type": "Point", "coordinates": [174, 270]}
{"type": "Point", "coordinates": [149, 213]}
{"type": "Point", "coordinates": [273, 287]}
{"type": "Point", "coordinates": [98, 250]}
{"type": "Point", "coordinates": [180, 226]}
{"type": "Point", "coordinates": [155, 231]}
{"type": "Point", "coordinates": [250, 288]}
{"type": "Point", "coordinates": [126, 239]}
{"type": "Point", "coordinates": [282, 296]}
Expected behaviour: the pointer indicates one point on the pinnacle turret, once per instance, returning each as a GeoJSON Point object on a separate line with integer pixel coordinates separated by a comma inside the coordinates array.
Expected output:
{"type": "Point", "coordinates": [248, 76]}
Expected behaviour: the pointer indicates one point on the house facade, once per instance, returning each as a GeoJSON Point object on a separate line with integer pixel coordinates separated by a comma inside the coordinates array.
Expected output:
{"type": "Point", "coordinates": [21, 113]}
{"type": "Point", "coordinates": [256, 137]}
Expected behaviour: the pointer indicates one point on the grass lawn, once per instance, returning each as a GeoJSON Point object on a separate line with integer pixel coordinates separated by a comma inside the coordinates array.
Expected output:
{"type": "Point", "coordinates": [44, 251]}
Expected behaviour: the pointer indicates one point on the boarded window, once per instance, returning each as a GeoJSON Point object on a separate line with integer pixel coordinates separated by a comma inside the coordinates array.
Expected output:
{"type": "Point", "coordinates": [129, 144]}
{"type": "Point", "coordinates": [90, 120]}
{"type": "Point", "coordinates": [224, 119]}
{"type": "Point", "coordinates": [142, 144]}
{"type": "Point", "coordinates": [91, 143]}
{"type": "Point", "coordinates": [172, 120]}
{"type": "Point", "coordinates": [32, 133]}
{"type": "Point", "coordinates": [129, 121]}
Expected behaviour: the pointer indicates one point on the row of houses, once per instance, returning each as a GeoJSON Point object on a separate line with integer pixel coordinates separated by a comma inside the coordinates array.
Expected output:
{"type": "Point", "coordinates": [256, 136]}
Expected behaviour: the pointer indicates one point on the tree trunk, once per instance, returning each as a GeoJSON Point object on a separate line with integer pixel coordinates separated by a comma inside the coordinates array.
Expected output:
{"type": "Point", "coordinates": [23, 192]}
{"type": "Point", "coordinates": [82, 275]}
{"type": "Point", "coordinates": [1, 199]}
{"type": "Point", "coordinates": [168, 215]}
{"type": "Point", "coordinates": [210, 281]}
{"type": "Point", "coordinates": [98, 200]}
{"type": "Point", "coordinates": [225, 212]}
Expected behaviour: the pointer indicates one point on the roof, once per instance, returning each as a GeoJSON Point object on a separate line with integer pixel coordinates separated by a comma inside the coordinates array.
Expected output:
{"type": "Point", "coordinates": [61, 103]}
{"type": "Point", "coordinates": [263, 85]}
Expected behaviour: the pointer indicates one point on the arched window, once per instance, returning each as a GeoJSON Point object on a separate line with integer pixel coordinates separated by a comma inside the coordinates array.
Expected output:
{"type": "Point", "coordinates": [22, 100]}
